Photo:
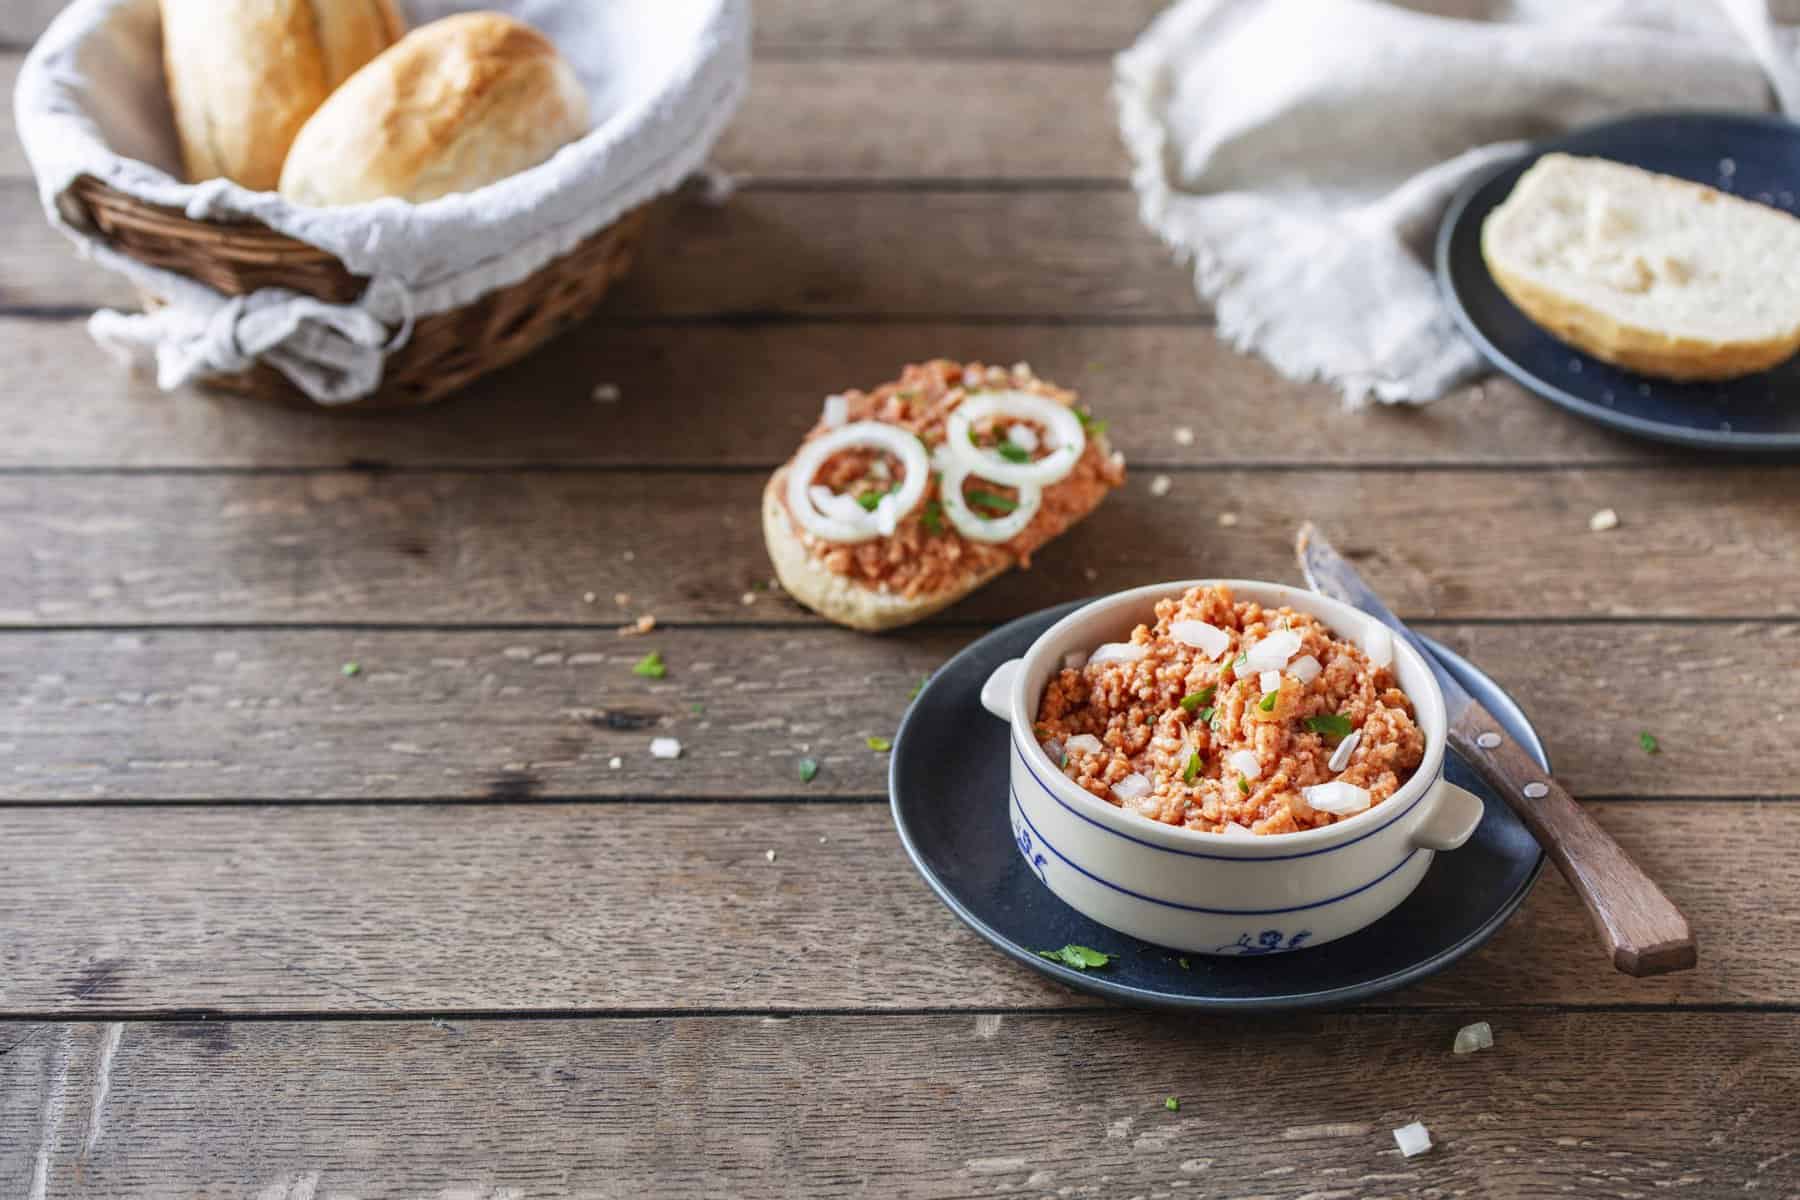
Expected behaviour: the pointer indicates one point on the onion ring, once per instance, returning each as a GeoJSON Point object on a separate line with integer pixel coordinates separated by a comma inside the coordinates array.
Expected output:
{"type": "Point", "coordinates": [840, 527]}
{"type": "Point", "coordinates": [979, 528]}
{"type": "Point", "coordinates": [1067, 439]}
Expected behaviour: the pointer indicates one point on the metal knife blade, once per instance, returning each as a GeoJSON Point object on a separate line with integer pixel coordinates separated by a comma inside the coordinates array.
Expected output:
{"type": "Point", "coordinates": [1330, 574]}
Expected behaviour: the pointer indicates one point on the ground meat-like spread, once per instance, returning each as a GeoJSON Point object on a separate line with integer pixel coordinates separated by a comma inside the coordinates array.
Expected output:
{"type": "Point", "coordinates": [1136, 711]}
{"type": "Point", "coordinates": [925, 553]}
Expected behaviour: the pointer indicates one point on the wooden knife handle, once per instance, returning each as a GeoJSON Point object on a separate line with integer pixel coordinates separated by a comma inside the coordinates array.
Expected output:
{"type": "Point", "coordinates": [1643, 929]}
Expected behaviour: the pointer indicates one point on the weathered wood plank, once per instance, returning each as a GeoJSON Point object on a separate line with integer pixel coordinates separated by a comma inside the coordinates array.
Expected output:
{"type": "Point", "coordinates": [654, 907]}
{"type": "Point", "coordinates": [832, 253]}
{"type": "Point", "coordinates": [482, 547]}
{"type": "Point", "coordinates": [743, 394]}
{"type": "Point", "coordinates": [12, 154]}
{"type": "Point", "coordinates": [1583, 1104]}
{"type": "Point", "coordinates": [268, 715]}
{"type": "Point", "coordinates": [21, 21]}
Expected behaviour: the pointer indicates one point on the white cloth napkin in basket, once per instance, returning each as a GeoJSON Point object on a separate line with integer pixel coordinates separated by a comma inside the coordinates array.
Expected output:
{"type": "Point", "coordinates": [663, 78]}
{"type": "Point", "coordinates": [1300, 153]}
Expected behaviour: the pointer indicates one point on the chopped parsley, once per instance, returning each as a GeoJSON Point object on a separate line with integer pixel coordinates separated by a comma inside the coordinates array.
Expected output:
{"type": "Point", "coordinates": [992, 500]}
{"type": "Point", "coordinates": [918, 687]}
{"type": "Point", "coordinates": [1242, 661]}
{"type": "Point", "coordinates": [880, 745]}
{"type": "Point", "coordinates": [352, 668]}
{"type": "Point", "coordinates": [933, 517]}
{"type": "Point", "coordinates": [1268, 701]}
{"type": "Point", "coordinates": [650, 666]}
{"type": "Point", "coordinates": [1243, 785]}
{"type": "Point", "coordinates": [1079, 957]}
{"type": "Point", "coordinates": [1092, 424]}
{"type": "Point", "coordinates": [1184, 963]}
{"type": "Point", "coordinates": [1206, 714]}
{"type": "Point", "coordinates": [1172, 1104]}
{"type": "Point", "coordinates": [1648, 741]}
{"type": "Point", "coordinates": [1012, 452]}
{"type": "Point", "coordinates": [809, 768]}
{"type": "Point", "coordinates": [1194, 700]}
{"type": "Point", "coordinates": [1192, 769]}
{"type": "Point", "coordinates": [869, 500]}
{"type": "Point", "coordinates": [697, 708]}
{"type": "Point", "coordinates": [1335, 725]}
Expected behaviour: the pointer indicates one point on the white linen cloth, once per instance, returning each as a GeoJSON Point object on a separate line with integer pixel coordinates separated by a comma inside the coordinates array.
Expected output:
{"type": "Point", "coordinates": [1300, 153]}
{"type": "Point", "coordinates": [663, 78]}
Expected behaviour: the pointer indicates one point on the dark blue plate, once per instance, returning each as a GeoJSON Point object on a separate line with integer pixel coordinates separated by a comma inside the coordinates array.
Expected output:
{"type": "Point", "coordinates": [1756, 157]}
{"type": "Point", "coordinates": [948, 783]}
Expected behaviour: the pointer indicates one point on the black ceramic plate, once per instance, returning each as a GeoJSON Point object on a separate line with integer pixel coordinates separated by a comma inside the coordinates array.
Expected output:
{"type": "Point", "coordinates": [1756, 157]}
{"type": "Point", "coordinates": [948, 781]}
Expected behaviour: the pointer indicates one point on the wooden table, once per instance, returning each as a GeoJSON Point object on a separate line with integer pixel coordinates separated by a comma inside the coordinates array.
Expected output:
{"type": "Point", "coordinates": [443, 928]}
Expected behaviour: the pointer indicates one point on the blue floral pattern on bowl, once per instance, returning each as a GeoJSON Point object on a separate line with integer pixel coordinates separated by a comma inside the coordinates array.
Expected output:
{"type": "Point", "coordinates": [1023, 836]}
{"type": "Point", "coordinates": [1269, 941]}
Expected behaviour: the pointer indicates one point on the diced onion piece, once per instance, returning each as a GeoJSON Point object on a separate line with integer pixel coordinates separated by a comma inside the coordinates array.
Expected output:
{"type": "Point", "coordinates": [1378, 644]}
{"type": "Point", "coordinates": [1074, 660]}
{"type": "Point", "coordinates": [665, 747]}
{"type": "Point", "coordinates": [978, 528]}
{"type": "Point", "coordinates": [1210, 640]}
{"type": "Point", "coordinates": [1306, 668]}
{"type": "Point", "coordinates": [1245, 763]}
{"type": "Point", "coordinates": [1131, 787]}
{"type": "Point", "coordinates": [838, 525]}
{"type": "Point", "coordinates": [1412, 1139]}
{"type": "Point", "coordinates": [1269, 681]}
{"type": "Point", "coordinates": [835, 504]}
{"type": "Point", "coordinates": [1086, 743]}
{"type": "Point", "coordinates": [836, 411]}
{"type": "Point", "coordinates": [1470, 1038]}
{"type": "Point", "coordinates": [1024, 437]}
{"type": "Point", "coordinates": [1340, 758]}
{"type": "Point", "coordinates": [1054, 749]}
{"type": "Point", "coordinates": [1273, 652]}
{"type": "Point", "coordinates": [1111, 652]}
{"type": "Point", "coordinates": [1337, 797]}
{"type": "Point", "coordinates": [1233, 829]}
{"type": "Point", "coordinates": [1066, 438]}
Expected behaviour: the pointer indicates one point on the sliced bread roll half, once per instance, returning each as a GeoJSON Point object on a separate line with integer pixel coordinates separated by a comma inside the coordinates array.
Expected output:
{"type": "Point", "coordinates": [932, 555]}
{"type": "Point", "coordinates": [1646, 271]}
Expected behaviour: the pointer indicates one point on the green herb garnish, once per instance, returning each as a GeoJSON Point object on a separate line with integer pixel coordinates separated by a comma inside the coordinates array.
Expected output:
{"type": "Point", "coordinates": [697, 708]}
{"type": "Point", "coordinates": [1206, 714]}
{"type": "Point", "coordinates": [1192, 769]}
{"type": "Point", "coordinates": [880, 745]}
{"type": "Point", "coordinates": [352, 668]}
{"type": "Point", "coordinates": [1268, 701]}
{"type": "Point", "coordinates": [992, 500]}
{"type": "Point", "coordinates": [1013, 453]}
{"type": "Point", "coordinates": [1195, 699]}
{"type": "Point", "coordinates": [1094, 425]}
{"type": "Point", "coordinates": [1335, 725]}
{"type": "Point", "coordinates": [809, 767]}
{"type": "Point", "coordinates": [1243, 785]}
{"type": "Point", "coordinates": [650, 666]}
{"type": "Point", "coordinates": [1648, 741]}
{"type": "Point", "coordinates": [918, 687]}
{"type": "Point", "coordinates": [869, 500]}
{"type": "Point", "coordinates": [933, 517]}
{"type": "Point", "coordinates": [1242, 661]}
{"type": "Point", "coordinates": [1183, 962]}
{"type": "Point", "coordinates": [1172, 1104]}
{"type": "Point", "coordinates": [1079, 957]}
{"type": "Point", "coordinates": [1064, 764]}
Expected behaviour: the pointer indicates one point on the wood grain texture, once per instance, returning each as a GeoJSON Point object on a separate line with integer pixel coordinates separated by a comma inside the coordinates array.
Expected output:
{"type": "Point", "coordinates": [738, 394]}
{"type": "Point", "coordinates": [1040, 27]}
{"type": "Point", "coordinates": [22, 20]}
{"type": "Point", "coordinates": [654, 907]}
{"type": "Point", "coordinates": [268, 714]}
{"type": "Point", "coordinates": [832, 253]}
{"type": "Point", "coordinates": [484, 548]}
{"type": "Point", "coordinates": [1582, 1104]}
{"type": "Point", "coordinates": [12, 154]}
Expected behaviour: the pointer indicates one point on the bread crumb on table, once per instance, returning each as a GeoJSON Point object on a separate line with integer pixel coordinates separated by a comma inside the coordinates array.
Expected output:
{"type": "Point", "coordinates": [1603, 520]}
{"type": "Point", "coordinates": [1160, 485]}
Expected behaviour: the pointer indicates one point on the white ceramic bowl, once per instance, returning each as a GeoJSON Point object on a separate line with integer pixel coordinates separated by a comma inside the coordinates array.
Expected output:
{"type": "Point", "coordinates": [1205, 892]}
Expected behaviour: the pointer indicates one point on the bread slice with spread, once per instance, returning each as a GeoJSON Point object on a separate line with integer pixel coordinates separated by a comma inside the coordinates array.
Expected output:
{"type": "Point", "coordinates": [904, 499]}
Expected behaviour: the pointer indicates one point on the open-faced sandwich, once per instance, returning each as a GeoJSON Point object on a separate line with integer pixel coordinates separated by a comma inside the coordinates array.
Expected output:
{"type": "Point", "coordinates": [905, 499]}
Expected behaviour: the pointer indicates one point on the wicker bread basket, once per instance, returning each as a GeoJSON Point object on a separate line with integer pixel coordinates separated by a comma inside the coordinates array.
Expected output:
{"type": "Point", "coordinates": [447, 351]}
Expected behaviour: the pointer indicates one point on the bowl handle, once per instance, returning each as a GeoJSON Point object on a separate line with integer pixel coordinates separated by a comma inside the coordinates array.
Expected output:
{"type": "Point", "coordinates": [996, 692]}
{"type": "Point", "coordinates": [1454, 815]}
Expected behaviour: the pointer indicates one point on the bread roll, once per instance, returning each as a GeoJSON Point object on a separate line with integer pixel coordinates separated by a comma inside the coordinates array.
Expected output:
{"type": "Point", "coordinates": [244, 76]}
{"type": "Point", "coordinates": [455, 105]}
{"type": "Point", "coordinates": [1646, 271]}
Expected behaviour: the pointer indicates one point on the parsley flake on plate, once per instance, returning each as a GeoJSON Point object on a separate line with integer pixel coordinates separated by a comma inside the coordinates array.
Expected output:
{"type": "Point", "coordinates": [880, 745]}
{"type": "Point", "coordinates": [352, 668]}
{"type": "Point", "coordinates": [1648, 741]}
{"type": "Point", "coordinates": [650, 666]}
{"type": "Point", "coordinates": [1172, 1104]}
{"type": "Point", "coordinates": [809, 769]}
{"type": "Point", "coordinates": [1079, 957]}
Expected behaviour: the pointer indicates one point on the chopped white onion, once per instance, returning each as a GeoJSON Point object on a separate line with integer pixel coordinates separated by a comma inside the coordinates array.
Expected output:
{"type": "Point", "coordinates": [1074, 660]}
{"type": "Point", "coordinates": [1054, 749]}
{"type": "Point", "coordinates": [838, 525]}
{"type": "Point", "coordinates": [1086, 743]}
{"type": "Point", "coordinates": [1470, 1038]}
{"type": "Point", "coordinates": [1066, 439]}
{"type": "Point", "coordinates": [1340, 758]}
{"type": "Point", "coordinates": [1306, 668]}
{"type": "Point", "coordinates": [836, 411]}
{"type": "Point", "coordinates": [1269, 681]}
{"type": "Point", "coordinates": [1233, 829]}
{"type": "Point", "coordinates": [1024, 437]}
{"type": "Point", "coordinates": [1412, 1139]}
{"type": "Point", "coordinates": [1245, 763]}
{"type": "Point", "coordinates": [1111, 652]}
{"type": "Point", "coordinates": [1337, 797]}
{"type": "Point", "coordinates": [978, 528]}
{"type": "Point", "coordinates": [835, 505]}
{"type": "Point", "coordinates": [1273, 652]}
{"type": "Point", "coordinates": [1210, 640]}
{"type": "Point", "coordinates": [1378, 644]}
{"type": "Point", "coordinates": [1131, 787]}
{"type": "Point", "coordinates": [665, 747]}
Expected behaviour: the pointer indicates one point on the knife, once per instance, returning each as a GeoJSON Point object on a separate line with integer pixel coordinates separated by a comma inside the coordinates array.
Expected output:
{"type": "Point", "coordinates": [1645, 932]}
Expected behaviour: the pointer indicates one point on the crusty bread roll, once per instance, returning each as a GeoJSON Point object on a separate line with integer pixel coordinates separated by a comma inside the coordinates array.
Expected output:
{"type": "Point", "coordinates": [243, 77]}
{"type": "Point", "coordinates": [453, 106]}
{"type": "Point", "coordinates": [1646, 271]}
